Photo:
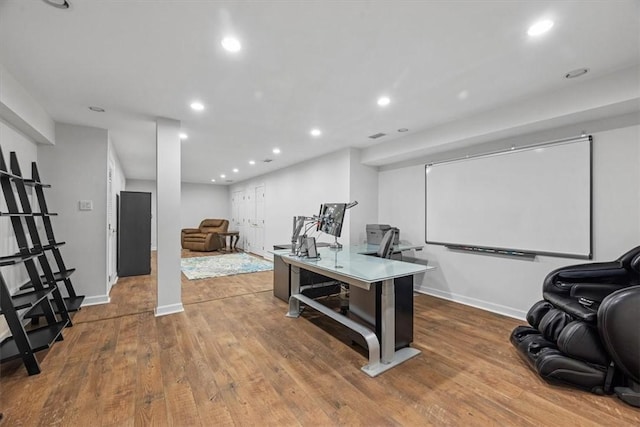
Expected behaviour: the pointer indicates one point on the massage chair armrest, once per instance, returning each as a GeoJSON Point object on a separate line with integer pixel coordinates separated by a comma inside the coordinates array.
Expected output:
{"type": "Point", "coordinates": [563, 279]}
{"type": "Point", "coordinates": [190, 230]}
{"type": "Point", "coordinates": [593, 291]}
{"type": "Point", "coordinates": [572, 307]}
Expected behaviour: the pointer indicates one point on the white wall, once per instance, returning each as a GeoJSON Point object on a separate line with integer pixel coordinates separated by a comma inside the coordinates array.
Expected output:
{"type": "Point", "coordinates": [300, 190]}
{"type": "Point", "coordinates": [200, 201]}
{"type": "Point", "coordinates": [76, 168]}
{"type": "Point", "coordinates": [507, 285]}
{"type": "Point", "coordinates": [363, 187]}
{"type": "Point", "coordinates": [20, 109]}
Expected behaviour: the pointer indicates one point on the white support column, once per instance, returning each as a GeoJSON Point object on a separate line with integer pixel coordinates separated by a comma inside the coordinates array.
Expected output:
{"type": "Point", "coordinates": [168, 216]}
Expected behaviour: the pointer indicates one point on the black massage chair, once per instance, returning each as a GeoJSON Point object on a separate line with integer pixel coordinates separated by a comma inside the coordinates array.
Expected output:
{"type": "Point", "coordinates": [586, 331]}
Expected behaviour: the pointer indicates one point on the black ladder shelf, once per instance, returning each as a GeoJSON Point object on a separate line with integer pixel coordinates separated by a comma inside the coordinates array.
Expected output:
{"type": "Point", "coordinates": [43, 299]}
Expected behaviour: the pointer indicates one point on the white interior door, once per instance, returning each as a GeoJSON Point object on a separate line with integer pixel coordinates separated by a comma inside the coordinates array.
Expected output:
{"type": "Point", "coordinates": [258, 221]}
{"type": "Point", "coordinates": [243, 220]}
{"type": "Point", "coordinates": [250, 209]}
{"type": "Point", "coordinates": [236, 221]}
{"type": "Point", "coordinates": [247, 216]}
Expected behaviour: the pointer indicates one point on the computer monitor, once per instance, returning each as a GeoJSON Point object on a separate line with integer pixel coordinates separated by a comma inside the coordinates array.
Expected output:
{"type": "Point", "coordinates": [331, 218]}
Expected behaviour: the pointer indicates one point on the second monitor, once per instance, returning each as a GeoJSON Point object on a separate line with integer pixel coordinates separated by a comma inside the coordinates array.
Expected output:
{"type": "Point", "coordinates": [331, 219]}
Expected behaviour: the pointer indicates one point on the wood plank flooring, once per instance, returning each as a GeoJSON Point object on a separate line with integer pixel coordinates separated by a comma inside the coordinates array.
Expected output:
{"type": "Point", "coordinates": [233, 358]}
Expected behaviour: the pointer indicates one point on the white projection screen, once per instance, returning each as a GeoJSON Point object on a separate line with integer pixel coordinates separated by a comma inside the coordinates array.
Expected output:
{"type": "Point", "coordinates": [535, 200]}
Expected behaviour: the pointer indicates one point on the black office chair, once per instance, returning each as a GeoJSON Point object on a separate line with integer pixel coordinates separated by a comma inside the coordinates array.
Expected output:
{"type": "Point", "coordinates": [585, 332]}
{"type": "Point", "coordinates": [386, 244]}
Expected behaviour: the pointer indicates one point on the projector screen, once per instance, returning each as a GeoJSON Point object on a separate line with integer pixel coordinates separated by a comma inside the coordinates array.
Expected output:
{"type": "Point", "coordinates": [535, 200]}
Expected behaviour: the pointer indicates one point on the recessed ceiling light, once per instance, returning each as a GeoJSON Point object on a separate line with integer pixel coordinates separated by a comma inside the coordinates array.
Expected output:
{"type": "Point", "coordinates": [96, 109]}
{"type": "Point", "coordinates": [383, 101]}
{"type": "Point", "coordinates": [231, 44]}
{"type": "Point", "coordinates": [184, 136]}
{"type": "Point", "coordinates": [576, 73]}
{"type": "Point", "coordinates": [197, 106]}
{"type": "Point", "coordinates": [235, 170]}
{"type": "Point", "coordinates": [315, 132]}
{"type": "Point", "coordinates": [60, 4]}
{"type": "Point", "coordinates": [540, 27]}
{"type": "Point", "coordinates": [252, 162]}
{"type": "Point", "coordinates": [213, 180]}
{"type": "Point", "coordinates": [223, 176]}
{"type": "Point", "coordinates": [276, 151]}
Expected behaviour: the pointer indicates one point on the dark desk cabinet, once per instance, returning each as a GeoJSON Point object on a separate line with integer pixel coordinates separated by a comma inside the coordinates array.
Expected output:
{"type": "Point", "coordinates": [367, 306]}
{"type": "Point", "coordinates": [134, 234]}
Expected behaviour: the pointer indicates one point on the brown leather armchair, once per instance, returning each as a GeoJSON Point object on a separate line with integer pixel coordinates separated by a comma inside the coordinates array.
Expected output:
{"type": "Point", "coordinates": [205, 237]}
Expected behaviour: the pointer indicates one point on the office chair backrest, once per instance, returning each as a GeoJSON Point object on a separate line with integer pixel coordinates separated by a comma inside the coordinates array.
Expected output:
{"type": "Point", "coordinates": [386, 244]}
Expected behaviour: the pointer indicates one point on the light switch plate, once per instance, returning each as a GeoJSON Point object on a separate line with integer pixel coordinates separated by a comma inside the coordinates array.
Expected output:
{"type": "Point", "coordinates": [86, 205]}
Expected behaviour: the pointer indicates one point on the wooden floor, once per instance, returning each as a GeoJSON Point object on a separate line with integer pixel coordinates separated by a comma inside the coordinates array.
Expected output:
{"type": "Point", "coordinates": [233, 358]}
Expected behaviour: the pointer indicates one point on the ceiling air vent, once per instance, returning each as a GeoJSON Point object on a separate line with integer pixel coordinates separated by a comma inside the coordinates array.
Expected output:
{"type": "Point", "coordinates": [268, 160]}
{"type": "Point", "coordinates": [377, 135]}
{"type": "Point", "coordinates": [229, 180]}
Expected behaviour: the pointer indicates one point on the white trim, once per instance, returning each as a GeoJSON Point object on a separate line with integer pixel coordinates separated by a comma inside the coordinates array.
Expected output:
{"type": "Point", "coordinates": [168, 309]}
{"type": "Point", "coordinates": [100, 299]}
{"type": "Point", "coordinates": [483, 305]}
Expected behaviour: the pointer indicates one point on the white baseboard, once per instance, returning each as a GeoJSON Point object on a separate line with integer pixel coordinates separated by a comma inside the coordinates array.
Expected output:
{"type": "Point", "coordinates": [483, 305]}
{"type": "Point", "coordinates": [168, 309]}
{"type": "Point", "coordinates": [100, 299]}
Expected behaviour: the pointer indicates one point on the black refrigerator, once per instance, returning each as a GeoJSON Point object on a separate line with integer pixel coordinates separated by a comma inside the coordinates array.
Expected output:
{"type": "Point", "coordinates": [134, 234]}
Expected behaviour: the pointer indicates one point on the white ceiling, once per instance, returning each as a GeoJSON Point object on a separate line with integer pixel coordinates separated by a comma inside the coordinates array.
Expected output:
{"type": "Point", "coordinates": [304, 64]}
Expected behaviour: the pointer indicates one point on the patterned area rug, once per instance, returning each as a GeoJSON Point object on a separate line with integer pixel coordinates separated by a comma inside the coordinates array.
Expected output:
{"type": "Point", "coordinates": [223, 265]}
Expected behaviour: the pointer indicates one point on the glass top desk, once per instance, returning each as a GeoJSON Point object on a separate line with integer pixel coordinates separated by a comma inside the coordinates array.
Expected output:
{"type": "Point", "coordinates": [351, 265]}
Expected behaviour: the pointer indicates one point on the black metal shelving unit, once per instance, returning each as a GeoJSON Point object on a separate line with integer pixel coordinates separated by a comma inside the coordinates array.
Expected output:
{"type": "Point", "coordinates": [41, 295]}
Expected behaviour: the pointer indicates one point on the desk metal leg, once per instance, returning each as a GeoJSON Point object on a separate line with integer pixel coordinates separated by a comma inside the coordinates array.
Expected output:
{"type": "Point", "coordinates": [389, 357]}
{"type": "Point", "coordinates": [388, 319]}
{"type": "Point", "coordinates": [294, 304]}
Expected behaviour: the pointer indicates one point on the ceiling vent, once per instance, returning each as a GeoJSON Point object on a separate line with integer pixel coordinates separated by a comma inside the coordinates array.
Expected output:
{"type": "Point", "coordinates": [229, 180]}
{"type": "Point", "coordinates": [268, 160]}
{"type": "Point", "coordinates": [377, 135]}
